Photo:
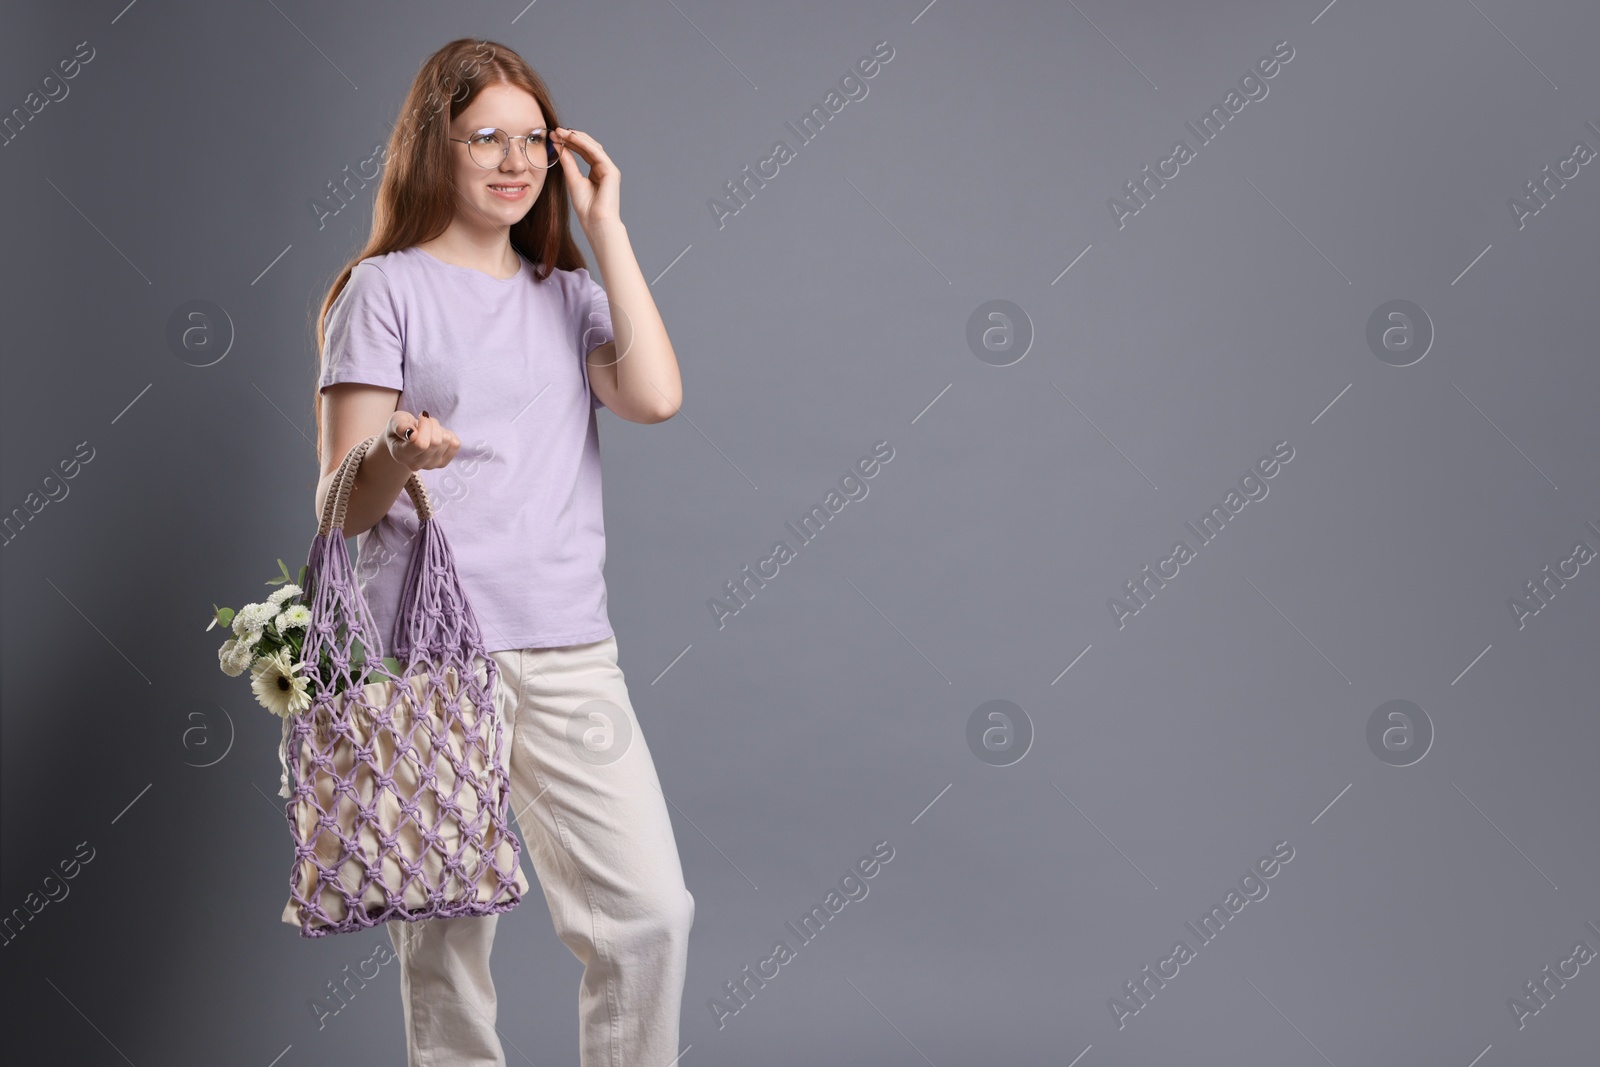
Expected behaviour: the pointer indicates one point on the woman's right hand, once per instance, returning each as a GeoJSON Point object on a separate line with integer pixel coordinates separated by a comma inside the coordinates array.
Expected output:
{"type": "Point", "coordinates": [420, 442]}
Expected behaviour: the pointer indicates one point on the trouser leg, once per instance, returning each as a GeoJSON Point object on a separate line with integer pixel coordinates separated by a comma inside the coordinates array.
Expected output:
{"type": "Point", "coordinates": [447, 992]}
{"type": "Point", "coordinates": [592, 816]}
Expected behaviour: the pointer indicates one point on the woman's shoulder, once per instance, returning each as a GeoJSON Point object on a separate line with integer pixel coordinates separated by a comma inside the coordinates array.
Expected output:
{"type": "Point", "coordinates": [388, 275]}
{"type": "Point", "coordinates": [390, 263]}
{"type": "Point", "coordinates": [577, 286]}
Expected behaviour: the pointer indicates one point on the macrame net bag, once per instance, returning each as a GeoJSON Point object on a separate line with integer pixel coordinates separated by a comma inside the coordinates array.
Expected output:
{"type": "Point", "coordinates": [397, 796]}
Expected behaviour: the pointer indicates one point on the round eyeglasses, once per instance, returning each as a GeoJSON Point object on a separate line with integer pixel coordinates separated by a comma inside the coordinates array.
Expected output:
{"type": "Point", "coordinates": [489, 147]}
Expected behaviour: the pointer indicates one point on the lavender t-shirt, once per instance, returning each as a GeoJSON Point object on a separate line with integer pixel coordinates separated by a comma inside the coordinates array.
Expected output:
{"type": "Point", "coordinates": [499, 362]}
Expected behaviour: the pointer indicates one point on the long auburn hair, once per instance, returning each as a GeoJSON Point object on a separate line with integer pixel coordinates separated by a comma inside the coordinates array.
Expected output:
{"type": "Point", "coordinates": [415, 200]}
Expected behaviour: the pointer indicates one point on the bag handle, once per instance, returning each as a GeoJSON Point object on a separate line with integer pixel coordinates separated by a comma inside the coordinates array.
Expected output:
{"type": "Point", "coordinates": [433, 619]}
{"type": "Point", "coordinates": [344, 480]}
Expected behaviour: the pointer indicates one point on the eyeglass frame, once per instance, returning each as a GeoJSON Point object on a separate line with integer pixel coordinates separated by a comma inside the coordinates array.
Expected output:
{"type": "Point", "coordinates": [506, 150]}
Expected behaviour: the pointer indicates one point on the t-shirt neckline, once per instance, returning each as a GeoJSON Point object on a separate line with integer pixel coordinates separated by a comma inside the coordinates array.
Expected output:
{"type": "Point", "coordinates": [522, 267]}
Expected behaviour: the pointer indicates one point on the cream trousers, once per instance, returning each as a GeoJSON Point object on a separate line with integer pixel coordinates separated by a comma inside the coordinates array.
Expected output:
{"type": "Point", "coordinates": [594, 823]}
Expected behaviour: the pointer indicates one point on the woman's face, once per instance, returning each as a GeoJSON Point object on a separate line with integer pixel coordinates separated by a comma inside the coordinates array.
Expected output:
{"type": "Point", "coordinates": [500, 195]}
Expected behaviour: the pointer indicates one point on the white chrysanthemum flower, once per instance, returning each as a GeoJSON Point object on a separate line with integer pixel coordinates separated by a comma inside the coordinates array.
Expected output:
{"type": "Point", "coordinates": [279, 684]}
{"type": "Point", "coordinates": [252, 617]}
{"type": "Point", "coordinates": [234, 656]}
{"type": "Point", "coordinates": [283, 593]}
{"type": "Point", "coordinates": [293, 617]}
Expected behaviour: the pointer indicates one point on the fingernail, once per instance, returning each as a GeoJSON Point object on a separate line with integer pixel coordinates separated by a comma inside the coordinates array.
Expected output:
{"type": "Point", "coordinates": [424, 414]}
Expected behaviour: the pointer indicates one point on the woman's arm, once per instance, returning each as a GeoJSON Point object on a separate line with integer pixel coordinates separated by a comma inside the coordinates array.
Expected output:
{"type": "Point", "coordinates": [645, 386]}
{"type": "Point", "coordinates": [353, 412]}
{"type": "Point", "coordinates": [642, 384]}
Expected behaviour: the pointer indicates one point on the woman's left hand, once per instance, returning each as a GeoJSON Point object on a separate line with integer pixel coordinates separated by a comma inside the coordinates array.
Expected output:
{"type": "Point", "coordinates": [595, 196]}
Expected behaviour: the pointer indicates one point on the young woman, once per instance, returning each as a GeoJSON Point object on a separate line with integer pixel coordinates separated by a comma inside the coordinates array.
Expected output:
{"type": "Point", "coordinates": [469, 333]}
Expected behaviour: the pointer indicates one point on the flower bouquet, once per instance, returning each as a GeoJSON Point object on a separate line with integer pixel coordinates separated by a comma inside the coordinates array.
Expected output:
{"type": "Point", "coordinates": [267, 640]}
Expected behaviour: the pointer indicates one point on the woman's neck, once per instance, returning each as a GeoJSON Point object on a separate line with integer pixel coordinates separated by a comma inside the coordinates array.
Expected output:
{"type": "Point", "coordinates": [492, 253]}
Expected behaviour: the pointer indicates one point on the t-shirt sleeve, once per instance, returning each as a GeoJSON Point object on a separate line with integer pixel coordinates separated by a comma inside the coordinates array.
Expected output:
{"type": "Point", "coordinates": [362, 333]}
{"type": "Point", "coordinates": [594, 321]}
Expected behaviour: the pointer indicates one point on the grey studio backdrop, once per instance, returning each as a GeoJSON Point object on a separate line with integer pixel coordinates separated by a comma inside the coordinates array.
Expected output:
{"type": "Point", "coordinates": [1330, 721]}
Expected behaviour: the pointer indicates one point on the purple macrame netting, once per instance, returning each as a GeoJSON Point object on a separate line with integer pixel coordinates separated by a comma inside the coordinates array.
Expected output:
{"type": "Point", "coordinates": [397, 794]}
